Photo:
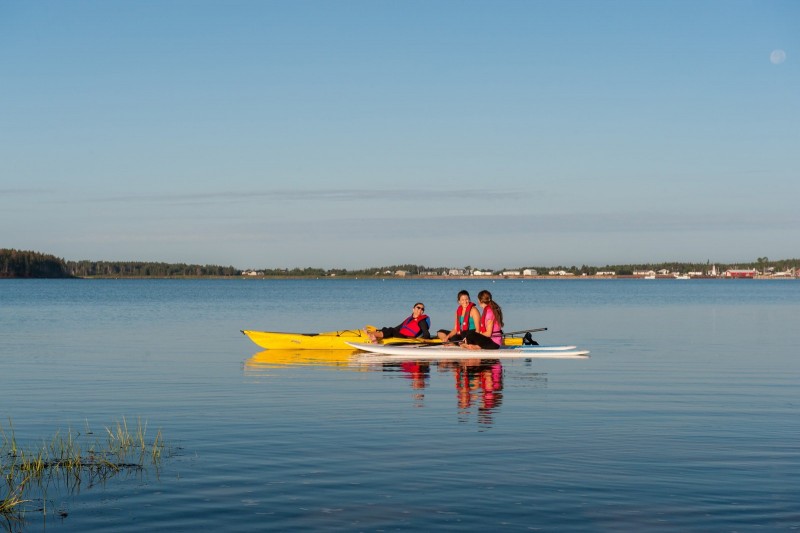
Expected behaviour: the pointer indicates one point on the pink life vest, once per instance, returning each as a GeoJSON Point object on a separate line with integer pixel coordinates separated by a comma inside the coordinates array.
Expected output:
{"type": "Point", "coordinates": [497, 329]}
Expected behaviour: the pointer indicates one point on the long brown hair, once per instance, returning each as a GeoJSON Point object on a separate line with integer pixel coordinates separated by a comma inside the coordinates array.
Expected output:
{"type": "Point", "coordinates": [485, 297]}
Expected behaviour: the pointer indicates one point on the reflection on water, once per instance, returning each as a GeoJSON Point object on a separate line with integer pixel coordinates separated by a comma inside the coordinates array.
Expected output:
{"type": "Point", "coordinates": [417, 373]}
{"type": "Point", "coordinates": [478, 383]}
{"type": "Point", "coordinates": [263, 362]}
{"type": "Point", "coordinates": [479, 386]}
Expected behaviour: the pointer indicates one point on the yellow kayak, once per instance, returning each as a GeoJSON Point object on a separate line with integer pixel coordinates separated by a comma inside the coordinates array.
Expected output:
{"type": "Point", "coordinates": [331, 340]}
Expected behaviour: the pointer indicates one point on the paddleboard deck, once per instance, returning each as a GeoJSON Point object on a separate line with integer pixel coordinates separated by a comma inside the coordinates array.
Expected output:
{"type": "Point", "coordinates": [422, 352]}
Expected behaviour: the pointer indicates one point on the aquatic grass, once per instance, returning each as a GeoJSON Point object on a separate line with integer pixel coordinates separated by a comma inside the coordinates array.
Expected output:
{"type": "Point", "coordinates": [70, 459]}
{"type": "Point", "coordinates": [122, 441]}
{"type": "Point", "coordinates": [14, 497]}
{"type": "Point", "coordinates": [10, 443]}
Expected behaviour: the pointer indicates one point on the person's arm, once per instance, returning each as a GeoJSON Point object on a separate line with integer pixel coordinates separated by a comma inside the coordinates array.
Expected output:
{"type": "Point", "coordinates": [425, 333]}
{"type": "Point", "coordinates": [476, 317]}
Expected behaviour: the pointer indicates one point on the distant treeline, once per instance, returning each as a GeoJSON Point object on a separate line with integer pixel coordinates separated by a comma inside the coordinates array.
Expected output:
{"type": "Point", "coordinates": [140, 269]}
{"type": "Point", "coordinates": [411, 270]}
{"type": "Point", "coordinates": [24, 264]}
{"type": "Point", "coordinates": [27, 264]}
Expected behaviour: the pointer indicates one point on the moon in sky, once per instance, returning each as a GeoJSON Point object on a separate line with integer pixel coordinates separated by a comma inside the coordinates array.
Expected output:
{"type": "Point", "coordinates": [777, 57]}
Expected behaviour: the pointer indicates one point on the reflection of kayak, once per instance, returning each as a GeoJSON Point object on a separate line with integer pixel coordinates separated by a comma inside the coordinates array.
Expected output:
{"type": "Point", "coordinates": [302, 357]}
{"type": "Point", "coordinates": [332, 340]}
{"type": "Point", "coordinates": [420, 352]}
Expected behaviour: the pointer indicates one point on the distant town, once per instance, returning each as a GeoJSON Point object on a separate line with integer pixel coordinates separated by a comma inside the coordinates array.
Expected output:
{"type": "Point", "coordinates": [664, 273]}
{"type": "Point", "coordinates": [29, 264]}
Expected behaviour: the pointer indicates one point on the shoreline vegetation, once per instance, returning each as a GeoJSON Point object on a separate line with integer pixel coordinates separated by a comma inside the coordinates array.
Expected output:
{"type": "Point", "coordinates": [33, 472]}
{"type": "Point", "coordinates": [30, 264]}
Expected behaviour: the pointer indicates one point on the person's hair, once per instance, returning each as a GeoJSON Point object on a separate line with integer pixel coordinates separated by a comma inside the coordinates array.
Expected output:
{"type": "Point", "coordinates": [485, 297]}
{"type": "Point", "coordinates": [462, 293]}
{"type": "Point", "coordinates": [418, 303]}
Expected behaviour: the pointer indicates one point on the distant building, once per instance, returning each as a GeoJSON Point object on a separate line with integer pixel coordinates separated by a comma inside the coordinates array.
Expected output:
{"type": "Point", "coordinates": [607, 273]}
{"type": "Point", "coordinates": [740, 273]}
{"type": "Point", "coordinates": [512, 273]}
{"type": "Point", "coordinates": [481, 272]}
{"type": "Point", "coordinates": [530, 272]}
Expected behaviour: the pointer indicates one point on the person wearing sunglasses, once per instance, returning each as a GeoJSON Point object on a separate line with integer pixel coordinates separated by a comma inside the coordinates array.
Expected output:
{"type": "Point", "coordinates": [416, 325]}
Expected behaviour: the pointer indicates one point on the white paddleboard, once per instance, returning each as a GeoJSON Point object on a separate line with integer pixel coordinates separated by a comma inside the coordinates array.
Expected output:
{"type": "Point", "coordinates": [439, 351]}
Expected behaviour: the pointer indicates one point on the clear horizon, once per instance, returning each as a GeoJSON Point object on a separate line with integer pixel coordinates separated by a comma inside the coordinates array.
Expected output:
{"type": "Point", "coordinates": [499, 134]}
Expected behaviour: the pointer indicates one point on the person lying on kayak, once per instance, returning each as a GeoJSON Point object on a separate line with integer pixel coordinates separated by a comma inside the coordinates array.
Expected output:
{"type": "Point", "coordinates": [490, 334]}
{"type": "Point", "coordinates": [417, 325]}
{"type": "Point", "coordinates": [467, 319]}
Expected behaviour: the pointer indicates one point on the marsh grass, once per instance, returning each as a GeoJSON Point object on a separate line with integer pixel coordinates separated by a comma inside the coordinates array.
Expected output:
{"type": "Point", "coordinates": [71, 459]}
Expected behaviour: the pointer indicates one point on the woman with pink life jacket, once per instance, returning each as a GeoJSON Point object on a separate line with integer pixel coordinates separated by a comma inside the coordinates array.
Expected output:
{"type": "Point", "coordinates": [416, 325]}
{"type": "Point", "coordinates": [467, 319]}
{"type": "Point", "coordinates": [490, 333]}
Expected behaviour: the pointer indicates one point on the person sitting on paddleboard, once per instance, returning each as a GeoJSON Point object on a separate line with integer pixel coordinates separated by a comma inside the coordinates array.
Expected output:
{"type": "Point", "coordinates": [417, 325]}
{"type": "Point", "coordinates": [490, 334]}
{"type": "Point", "coordinates": [467, 319]}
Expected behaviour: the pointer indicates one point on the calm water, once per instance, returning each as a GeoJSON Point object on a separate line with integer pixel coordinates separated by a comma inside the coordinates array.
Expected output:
{"type": "Point", "coordinates": [686, 417]}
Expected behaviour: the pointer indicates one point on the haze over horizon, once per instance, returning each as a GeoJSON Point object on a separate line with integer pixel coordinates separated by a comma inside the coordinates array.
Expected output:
{"type": "Point", "coordinates": [359, 134]}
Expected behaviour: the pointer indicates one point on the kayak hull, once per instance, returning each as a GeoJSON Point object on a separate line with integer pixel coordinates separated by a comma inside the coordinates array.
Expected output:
{"type": "Point", "coordinates": [331, 340]}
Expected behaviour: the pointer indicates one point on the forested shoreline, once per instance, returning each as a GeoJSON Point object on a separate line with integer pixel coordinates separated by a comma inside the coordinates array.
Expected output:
{"type": "Point", "coordinates": [27, 264]}
{"type": "Point", "coordinates": [31, 264]}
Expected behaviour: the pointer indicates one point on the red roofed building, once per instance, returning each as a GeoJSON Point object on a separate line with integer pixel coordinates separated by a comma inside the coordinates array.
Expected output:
{"type": "Point", "coordinates": [740, 274]}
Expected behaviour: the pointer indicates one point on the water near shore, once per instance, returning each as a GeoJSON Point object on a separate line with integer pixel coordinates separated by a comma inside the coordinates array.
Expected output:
{"type": "Point", "coordinates": [686, 416]}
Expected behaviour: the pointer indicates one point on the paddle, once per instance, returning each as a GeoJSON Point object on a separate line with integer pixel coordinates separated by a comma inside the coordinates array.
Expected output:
{"type": "Point", "coordinates": [528, 338]}
{"type": "Point", "coordinates": [523, 331]}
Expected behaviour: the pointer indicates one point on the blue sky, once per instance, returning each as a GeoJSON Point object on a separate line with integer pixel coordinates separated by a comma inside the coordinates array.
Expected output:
{"type": "Point", "coordinates": [351, 134]}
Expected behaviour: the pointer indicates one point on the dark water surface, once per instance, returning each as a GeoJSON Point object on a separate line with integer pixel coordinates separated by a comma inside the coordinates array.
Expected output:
{"type": "Point", "coordinates": [686, 416]}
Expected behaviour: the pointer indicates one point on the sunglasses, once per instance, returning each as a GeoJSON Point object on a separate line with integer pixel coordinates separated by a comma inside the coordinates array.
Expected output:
{"type": "Point", "coordinates": [418, 307]}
